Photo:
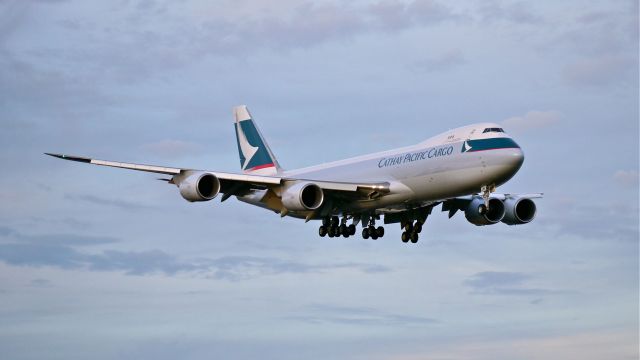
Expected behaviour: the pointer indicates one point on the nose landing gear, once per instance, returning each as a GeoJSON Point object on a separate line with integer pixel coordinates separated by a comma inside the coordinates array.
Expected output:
{"type": "Point", "coordinates": [486, 192]}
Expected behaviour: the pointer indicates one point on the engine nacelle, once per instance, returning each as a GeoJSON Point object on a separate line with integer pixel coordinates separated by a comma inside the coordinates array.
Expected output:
{"type": "Point", "coordinates": [475, 214]}
{"type": "Point", "coordinates": [199, 186]}
{"type": "Point", "coordinates": [303, 196]}
{"type": "Point", "coordinates": [519, 211]}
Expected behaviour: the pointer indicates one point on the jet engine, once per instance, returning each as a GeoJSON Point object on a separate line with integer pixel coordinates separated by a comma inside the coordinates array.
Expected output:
{"type": "Point", "coordinates": [478, 215]}
{"type": "Point", "coordinates": [303, 196]}
{"type": "Point", "coordinates": [519, 210]}
{"type": "Point", "coordinates": [199, 186]}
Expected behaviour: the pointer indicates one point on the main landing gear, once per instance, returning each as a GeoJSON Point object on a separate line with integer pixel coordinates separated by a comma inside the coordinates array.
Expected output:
{"type": "Point", "coordinates": [411, 231]}
{"type": "Point", "coordinates": [333, 228]}
{"type": "Point", "coordinates": [372, 231]}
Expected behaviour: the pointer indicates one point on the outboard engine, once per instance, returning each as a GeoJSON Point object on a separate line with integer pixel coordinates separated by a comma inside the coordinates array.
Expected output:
{"type": "Point", "coordinates": [199, 186]}
{"type": "Point", "coordinates": [519, 210]}
{"type": "Point", "coordinates": [478, 215]}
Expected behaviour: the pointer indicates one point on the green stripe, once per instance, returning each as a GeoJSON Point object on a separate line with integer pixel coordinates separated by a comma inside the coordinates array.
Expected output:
{"type": "Point", "coordinates": [490, 144]}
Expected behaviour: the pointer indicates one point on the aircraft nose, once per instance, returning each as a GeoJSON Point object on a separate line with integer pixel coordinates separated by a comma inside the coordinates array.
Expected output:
{"type": "Point", "coordinates": [515, 158]}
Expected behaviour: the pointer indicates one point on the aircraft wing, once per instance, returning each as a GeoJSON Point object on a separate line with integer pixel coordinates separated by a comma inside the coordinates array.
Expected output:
{"type": "Point", "coordinates": [232, 183]}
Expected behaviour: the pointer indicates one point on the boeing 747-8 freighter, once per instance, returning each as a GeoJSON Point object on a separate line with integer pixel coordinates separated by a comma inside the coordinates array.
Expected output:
{"type": "Point", "coordinates": [459, 169]}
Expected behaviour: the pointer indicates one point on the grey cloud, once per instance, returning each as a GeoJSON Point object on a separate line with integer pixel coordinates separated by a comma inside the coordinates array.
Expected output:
{"type": "Point", "coordinates": [313, 24]}
{"type": "Point", "coordinates": [397, 15]}
{"type": "Point", "coordinates": [243, 267]}
{"type": "Point", "coordinates": [170, 148]}
{"type": "Point", "coordinates": [120, 204]}
{"type": "Point", "coordinates": [4, 231]}
{"type": "Point", "coordinates": [359, 316]}
{"type": "Point", "coordinates": [585, 220]}
{"type": "Point", "coordinates": [137, 263]}
{"type": "Point", "coordinates": [532, 120]}
{"type": "Point", "coordinates": [129, 53]}
{"type": "Point", "coordinates": [488, 279]}
{"type": "Point", "coordinates": [448, 60]}
{"type": "Point", "coordinates": [502, 283]}
{"type": "Point", "coordinates": [37, 255]}
{"type": "Point", "coordinates": [40, 283]}
{"type": "Point", "coordinates": [12, 236]}
{"type": "Point", "coordinates": [515, 12]}
{"type": "Point", "coordinates": [31, 88]}
{"type": "Point", "coordinates": [60, 251]}
{"type": "Point", "coordinates": [602, 71]}
{"type": "Point", "coordinates": [627, 178]}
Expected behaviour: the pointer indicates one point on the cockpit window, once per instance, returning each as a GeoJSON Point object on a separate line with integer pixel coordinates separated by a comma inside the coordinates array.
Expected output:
{"type": "Point", "coordinates": [492, 130]}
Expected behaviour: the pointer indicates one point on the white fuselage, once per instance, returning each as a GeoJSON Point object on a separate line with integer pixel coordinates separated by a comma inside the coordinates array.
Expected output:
{"type": "Point", "coordinates": [455, 163]}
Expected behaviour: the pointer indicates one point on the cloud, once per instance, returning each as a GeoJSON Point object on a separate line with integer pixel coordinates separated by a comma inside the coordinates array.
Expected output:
{"type": "Point", "coordinates": [244, 267]}
{"type": "Point", "coordinates": [144, 39]}
{"type": "Point", "coordinates": [446, 61]}
{"type": "Point", "coordinates": [533, 120]}
{"type": "Point", "coordinates": [597, 344]}
{"type": "Point", "coordinates": [120, 204]}
{"type": "Point", "coordinates": [60, 250]}
{"type": "Point", "coordinates": [172, 149]}
{"type": "Point", "coordinates": [502, 283]}
{"type": "Point", "coordinates": [359, 316]}
{"type": "Point", "coordinates": [602, 71]}
{"type": "Point", "coordinates": [585, 220]}
{"type": "Point", "coordinates": [627, 178]}
{"type": "Point", "coordinates": [40, 283]}
{"type": "Point", "coordinates": [514, 12]}
{"type": "Point", "coordinates": [56, 239]}
{"type": "Point", "coordinates": [312, 23]}
{"type": "Point", "coordinates": [4, 231]}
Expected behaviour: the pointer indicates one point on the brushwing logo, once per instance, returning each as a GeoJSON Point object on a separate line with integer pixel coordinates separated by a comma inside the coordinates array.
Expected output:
{"type": "Point", "coordinates": [247, 150]}
{"type": "Point", "coordinates": [466, 147]}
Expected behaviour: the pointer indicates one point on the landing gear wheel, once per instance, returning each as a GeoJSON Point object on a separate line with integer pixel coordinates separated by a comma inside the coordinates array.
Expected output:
{"type": "Point", "coordinates": [409, 227]}
{"type": "Point", "coordinates": [343, 230]}
{"type": "Point", "coordinates": [405, 236]}
{"type": "Point", "coordinates": [352, 229]}
{"type": "Point", "coordinates": [322, 231]}
{"type": "Point", "coordinates": [380, 231]}
{"type": "Point", "coordinates": [365, 233]}
{"type": "Point", "coordinates": [414, 238]}
{"type": "Point", "coordinates": [331, 231]}
{"type": "Point", "coordinates": [417, 228]}
{"type": "Point", "coordinates": [372, 232]}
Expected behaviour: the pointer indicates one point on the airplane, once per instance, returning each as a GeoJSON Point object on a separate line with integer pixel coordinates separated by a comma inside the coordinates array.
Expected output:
{"type": "Point", "coordinates": [459, 169]}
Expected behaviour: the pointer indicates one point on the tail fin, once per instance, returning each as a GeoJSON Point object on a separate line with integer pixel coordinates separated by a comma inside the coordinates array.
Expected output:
{"type": "Point", "coordinates": [255, 155]}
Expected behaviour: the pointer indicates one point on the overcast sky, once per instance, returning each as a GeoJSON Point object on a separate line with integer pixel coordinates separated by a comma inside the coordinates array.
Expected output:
{"type": "Point", "coordinates": [103, 263]}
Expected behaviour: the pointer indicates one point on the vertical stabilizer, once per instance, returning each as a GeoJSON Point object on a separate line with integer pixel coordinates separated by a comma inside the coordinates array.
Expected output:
{"type": "Point", "coordinates": [255, 155]}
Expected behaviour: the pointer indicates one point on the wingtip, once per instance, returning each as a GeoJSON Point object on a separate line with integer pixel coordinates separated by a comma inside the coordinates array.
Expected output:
{"type": "Point", "coordinates": [55, 155]}
{"type": "Point", "coordinates": [70, 157]}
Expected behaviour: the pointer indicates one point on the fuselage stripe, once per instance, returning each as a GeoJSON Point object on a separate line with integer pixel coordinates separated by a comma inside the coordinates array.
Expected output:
{"type": "Point", "coordinates": [489, 144]}
{"type": "Point", "coordinates": [495, 148]}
